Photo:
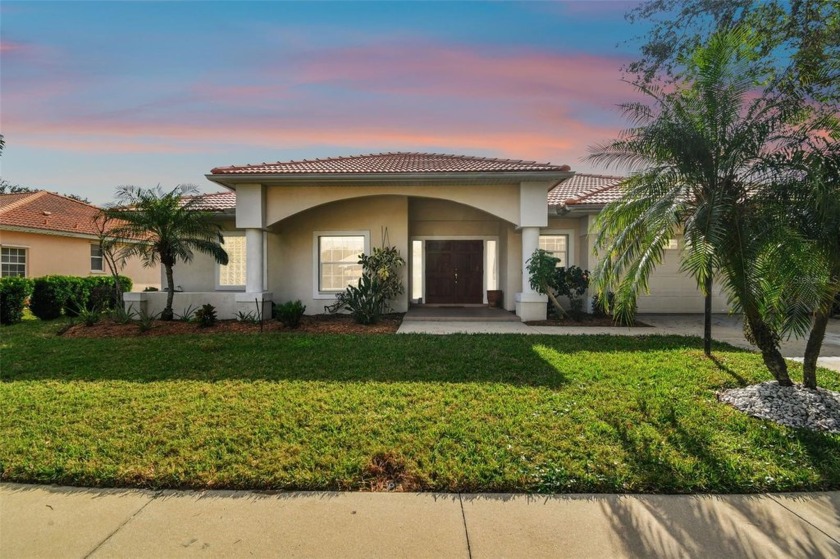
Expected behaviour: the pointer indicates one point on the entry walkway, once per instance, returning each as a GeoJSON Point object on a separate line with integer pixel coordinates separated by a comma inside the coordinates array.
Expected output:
{"type": "Point", "coordinates": [725, 328]}
{"type": "Point", "coordinates": [39, 521]}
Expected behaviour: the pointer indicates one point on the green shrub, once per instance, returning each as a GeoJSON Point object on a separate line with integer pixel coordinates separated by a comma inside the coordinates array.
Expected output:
{"type": "Point", "coordinates": [49, 296]}
{"type": "Point", "coordinates": [206, 316]}
{"type": "Point", "coordinates": [13, 294]}
{"type": "Point", "coordinates": [364, 301]}
{"type": "Point", "coordinates": [290, 313]}
{"type": "Point", "coordinates": [53, 295]}
{"type": "Point", "coordinates": [379, 284]}
{"type": "Point", "coordinates": [145, 320]}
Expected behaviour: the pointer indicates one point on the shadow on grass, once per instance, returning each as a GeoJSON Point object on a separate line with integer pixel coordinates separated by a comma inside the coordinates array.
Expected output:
{"type": "Point", "coordinates": [461, 358]}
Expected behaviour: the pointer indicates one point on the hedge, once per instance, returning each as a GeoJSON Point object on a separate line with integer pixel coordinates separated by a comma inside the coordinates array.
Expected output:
{"type": "Point", "coordinates": [52, 295]}
{"type": "Point", "coordinates": [13, 294]}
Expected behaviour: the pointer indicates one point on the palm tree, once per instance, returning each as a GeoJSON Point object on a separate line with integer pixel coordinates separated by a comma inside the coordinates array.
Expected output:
{"type": "Point", "coordinates": [698, 152]}
{"type": "Point", "coordinates": [169, 227]}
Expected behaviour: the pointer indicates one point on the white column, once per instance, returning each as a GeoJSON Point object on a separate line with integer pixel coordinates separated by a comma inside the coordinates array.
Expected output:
{"type": "Point", "coordinates": [530, 242]}
{"type": "Point", "coordinates": [254, 265]}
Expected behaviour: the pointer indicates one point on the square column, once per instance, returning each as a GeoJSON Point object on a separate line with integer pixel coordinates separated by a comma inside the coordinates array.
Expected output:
{"type": "Point", "coordinates": [530, 305]}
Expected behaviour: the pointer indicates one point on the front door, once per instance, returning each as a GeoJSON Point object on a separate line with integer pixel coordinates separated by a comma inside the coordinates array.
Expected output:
{"type": "Point", "coordinates": [454, 272]}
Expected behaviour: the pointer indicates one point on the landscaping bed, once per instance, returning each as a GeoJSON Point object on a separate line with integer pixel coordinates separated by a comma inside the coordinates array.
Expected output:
{"type": "Point", "coordinates": [414, 412]}
{"type": "Point", "coordinates": [316, 324]}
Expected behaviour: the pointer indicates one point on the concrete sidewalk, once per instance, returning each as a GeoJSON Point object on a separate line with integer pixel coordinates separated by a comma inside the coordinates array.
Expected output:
{"type": "Point", "coordinates": [725, 328]}
{"type": "Point", "coordinates": [47, 521]}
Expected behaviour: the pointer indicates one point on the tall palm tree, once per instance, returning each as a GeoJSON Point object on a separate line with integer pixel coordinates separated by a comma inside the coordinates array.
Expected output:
{"type": "Point", "coordinates": [697, 152]}
{"type": "Point", "coordinates": [170, 228]}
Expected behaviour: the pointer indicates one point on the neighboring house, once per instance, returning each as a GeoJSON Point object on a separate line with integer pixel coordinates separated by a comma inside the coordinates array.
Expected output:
{"type": "Point", "coordinates": [465, 225]}
{"type": "Point", "coordinates": [42, 233]}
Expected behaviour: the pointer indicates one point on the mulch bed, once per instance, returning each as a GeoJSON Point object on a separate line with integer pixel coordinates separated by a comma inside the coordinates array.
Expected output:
{"type": "Point", "coordinates": [588, 321]}
{"type": "Point", "coordinates": [318, 324]}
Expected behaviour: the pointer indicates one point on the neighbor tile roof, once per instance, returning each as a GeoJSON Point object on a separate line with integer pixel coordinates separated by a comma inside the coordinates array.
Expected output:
{"type": "Point", "coordinates": [214, 202]}
{"type": "Point", "coordinates": [398, 162]}
{"type": "Point", "coordinates": [586, 189]}
{"type": "Point", "coordinates": [47, 211]}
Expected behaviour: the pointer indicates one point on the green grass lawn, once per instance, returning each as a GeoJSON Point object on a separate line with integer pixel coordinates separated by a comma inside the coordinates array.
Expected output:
{"type": "Point", "coordinates": [451, 413]}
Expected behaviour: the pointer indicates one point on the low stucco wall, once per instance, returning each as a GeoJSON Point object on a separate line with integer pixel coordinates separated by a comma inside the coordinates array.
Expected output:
{"type": "Point", "coordinates": [154, 302]}
{"type": "Point", "coordinates": [70, 256]}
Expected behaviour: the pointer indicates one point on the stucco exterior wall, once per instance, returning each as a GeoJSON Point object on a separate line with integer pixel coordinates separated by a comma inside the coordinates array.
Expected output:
{"type": "Point", "coordinates": [500, 200]}
{"type": "Point", "coordinates": [70, 256]}
{"type": "Point", "coordinates": [291, 256]}
{"type": "Point", "coordinates": [200, 274]}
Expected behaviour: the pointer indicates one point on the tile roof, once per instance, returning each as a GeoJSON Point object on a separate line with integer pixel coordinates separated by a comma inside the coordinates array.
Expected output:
{"type": "Point", "coordinates": [214, 202]}
{"type": "Point", "coordinates": [580, 189]}
{"type": "Point", "coordinates": [48, 211]}
{"type": "Point", "coordinates": [397, 162]}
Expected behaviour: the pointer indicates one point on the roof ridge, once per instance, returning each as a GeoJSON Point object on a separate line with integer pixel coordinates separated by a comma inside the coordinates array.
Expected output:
{"type": "Point", "coordinates": [24, 200]}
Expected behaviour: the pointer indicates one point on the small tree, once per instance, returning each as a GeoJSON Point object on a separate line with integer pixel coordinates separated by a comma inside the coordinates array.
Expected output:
{"type": "Point", "coordinates": [165, 227]}
{"type": "Point", "coordinates": [542, 275]}
{"type": "Point", "coordinates": [112, 251]}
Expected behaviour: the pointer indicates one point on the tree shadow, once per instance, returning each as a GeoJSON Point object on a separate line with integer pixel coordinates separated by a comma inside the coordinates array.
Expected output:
{"type": "Point", "coordinates": [458, 358]}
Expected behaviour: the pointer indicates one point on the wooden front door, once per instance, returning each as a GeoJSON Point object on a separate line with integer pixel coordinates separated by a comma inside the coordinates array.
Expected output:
{"type": "Point", "coordinates": [454, 272]}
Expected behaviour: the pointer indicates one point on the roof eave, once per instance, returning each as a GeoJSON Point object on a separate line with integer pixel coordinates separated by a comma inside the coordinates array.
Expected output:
{"type": "Point", "coordinates": [231, 180]}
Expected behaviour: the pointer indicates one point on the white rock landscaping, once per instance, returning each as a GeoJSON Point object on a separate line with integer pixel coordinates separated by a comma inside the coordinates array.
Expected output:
{"type": "Point", "coordinates": [793, 406]}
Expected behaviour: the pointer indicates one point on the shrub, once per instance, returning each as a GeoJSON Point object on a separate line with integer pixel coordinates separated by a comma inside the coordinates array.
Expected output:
{"type": "Point", "coordinates": [364, 301]}
{"type": "Point", "coordinates": [13, 294]}
{"type": "Point", "coordinates": [187, 315]}
{"type": "Point", "coordinates": [290, 313]}
{"type": "Point", "coordinates": [379, 284]}
{"type": "Point", "coordinates": [573, 283]}
{"type": "Point", "coordinates": [53, 295]}
{"type": "Point", "coordinates": [120, 315]}
{"type": "Point", "coordinates": [599, 308]}
{"type": "Point", "coordinates": [206, 316]}
{"type": "Point", "coordinates": [49, 296]}
{"type": "Point", "coordinates": [146, 320]}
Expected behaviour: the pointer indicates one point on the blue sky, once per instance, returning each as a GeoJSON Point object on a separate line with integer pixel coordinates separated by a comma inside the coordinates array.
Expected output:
{"type": "Point", "coordinates": [96, 95]}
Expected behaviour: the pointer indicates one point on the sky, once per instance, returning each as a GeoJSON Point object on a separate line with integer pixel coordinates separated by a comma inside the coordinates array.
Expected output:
{"type": "Point", "coordinates": [94, 95]}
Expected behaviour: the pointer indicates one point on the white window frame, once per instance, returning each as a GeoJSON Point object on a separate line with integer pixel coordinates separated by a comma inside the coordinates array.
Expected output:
{"type": "Point", "coordinates": [570, 237]}
{"type": "Point", "coordinates": [425, 238]}
{"type": "Point", "coordinates": [25, 250]}
{"type": "Point", "coordinates": [316, 258]}
{"type": "Point", "coordinates": [218, 267]}
{"type": "Point", "coordinates": [101, 258]}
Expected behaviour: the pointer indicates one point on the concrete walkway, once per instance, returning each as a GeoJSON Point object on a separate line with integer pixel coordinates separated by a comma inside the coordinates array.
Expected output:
{"type": "Point", "coordinates": [725, 328]}
{"type": "Point", "coordinates": [44, 521]}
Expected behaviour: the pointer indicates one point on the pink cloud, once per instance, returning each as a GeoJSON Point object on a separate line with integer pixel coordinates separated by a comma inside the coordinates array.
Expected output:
{"type": "Point", "coordinates": [525, 104]}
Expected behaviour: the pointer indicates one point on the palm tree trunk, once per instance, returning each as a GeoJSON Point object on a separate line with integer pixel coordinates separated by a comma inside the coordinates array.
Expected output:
{"type": "Point", "coordinates": [766, 342]}
{"type": "Point", "coordinates": [167, 313]}
{"type": "Point", "coordinates": [707, 318]}
{"type": "Point", "coordinates": [812, 349]}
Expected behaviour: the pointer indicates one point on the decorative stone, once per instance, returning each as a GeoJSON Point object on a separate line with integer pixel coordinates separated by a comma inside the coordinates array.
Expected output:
{"type": "Point", "coordinates": [793, 406]}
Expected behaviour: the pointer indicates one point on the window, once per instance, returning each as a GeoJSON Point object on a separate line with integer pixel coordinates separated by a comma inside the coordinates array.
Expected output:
{"type": "Point", "coordinates": [96, 258]}
{"type": "Point", "coordinates": [338, 261]}
{"type": "Point", "coordinates": [13, 262]}
{"type": "Point", "coordinates": [557, 246]}
{"type": "Point", "coordinates": [232, 274]}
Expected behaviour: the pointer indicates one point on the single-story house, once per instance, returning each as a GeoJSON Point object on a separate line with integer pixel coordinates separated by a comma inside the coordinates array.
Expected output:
{"type": "Point", "coordinates": [465, 225]}
{"type": "Point", "coordinates": [42, 233]}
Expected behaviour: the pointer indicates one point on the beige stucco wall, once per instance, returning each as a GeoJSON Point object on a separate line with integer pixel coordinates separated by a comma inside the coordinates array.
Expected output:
{"type": "Point", "coordinates": [56, 254]}
{"type": "Point", "coordinates": [500, 200]}
{"type": "Point", "coordinates": [291, 244]}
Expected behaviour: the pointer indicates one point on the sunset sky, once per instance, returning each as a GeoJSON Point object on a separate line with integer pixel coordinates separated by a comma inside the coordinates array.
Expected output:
{"type": "Point", "coordinates": [96, 95]}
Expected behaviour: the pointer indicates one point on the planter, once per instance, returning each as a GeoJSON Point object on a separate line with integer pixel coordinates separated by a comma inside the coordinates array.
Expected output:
{"type": "Point", "coordinates": [495, 297]}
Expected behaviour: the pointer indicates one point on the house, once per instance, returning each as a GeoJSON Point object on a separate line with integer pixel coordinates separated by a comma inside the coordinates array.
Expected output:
{"type": "Point", "coordinates": [465, 225]}
{"type": "Point", "coordinates": [42, 233]}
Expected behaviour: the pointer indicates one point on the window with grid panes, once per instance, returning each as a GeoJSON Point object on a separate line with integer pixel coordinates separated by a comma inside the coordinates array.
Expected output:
{"type": "Point", "coordinates": [12, 262]}
{"type": "Point", "coordinates": [557, 246]}
{"type": "Point", "coordinates": [338, 261]}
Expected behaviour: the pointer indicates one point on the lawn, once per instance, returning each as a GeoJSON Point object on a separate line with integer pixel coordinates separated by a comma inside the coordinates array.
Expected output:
{"type": "Point", "coordinates": [453, 413]}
